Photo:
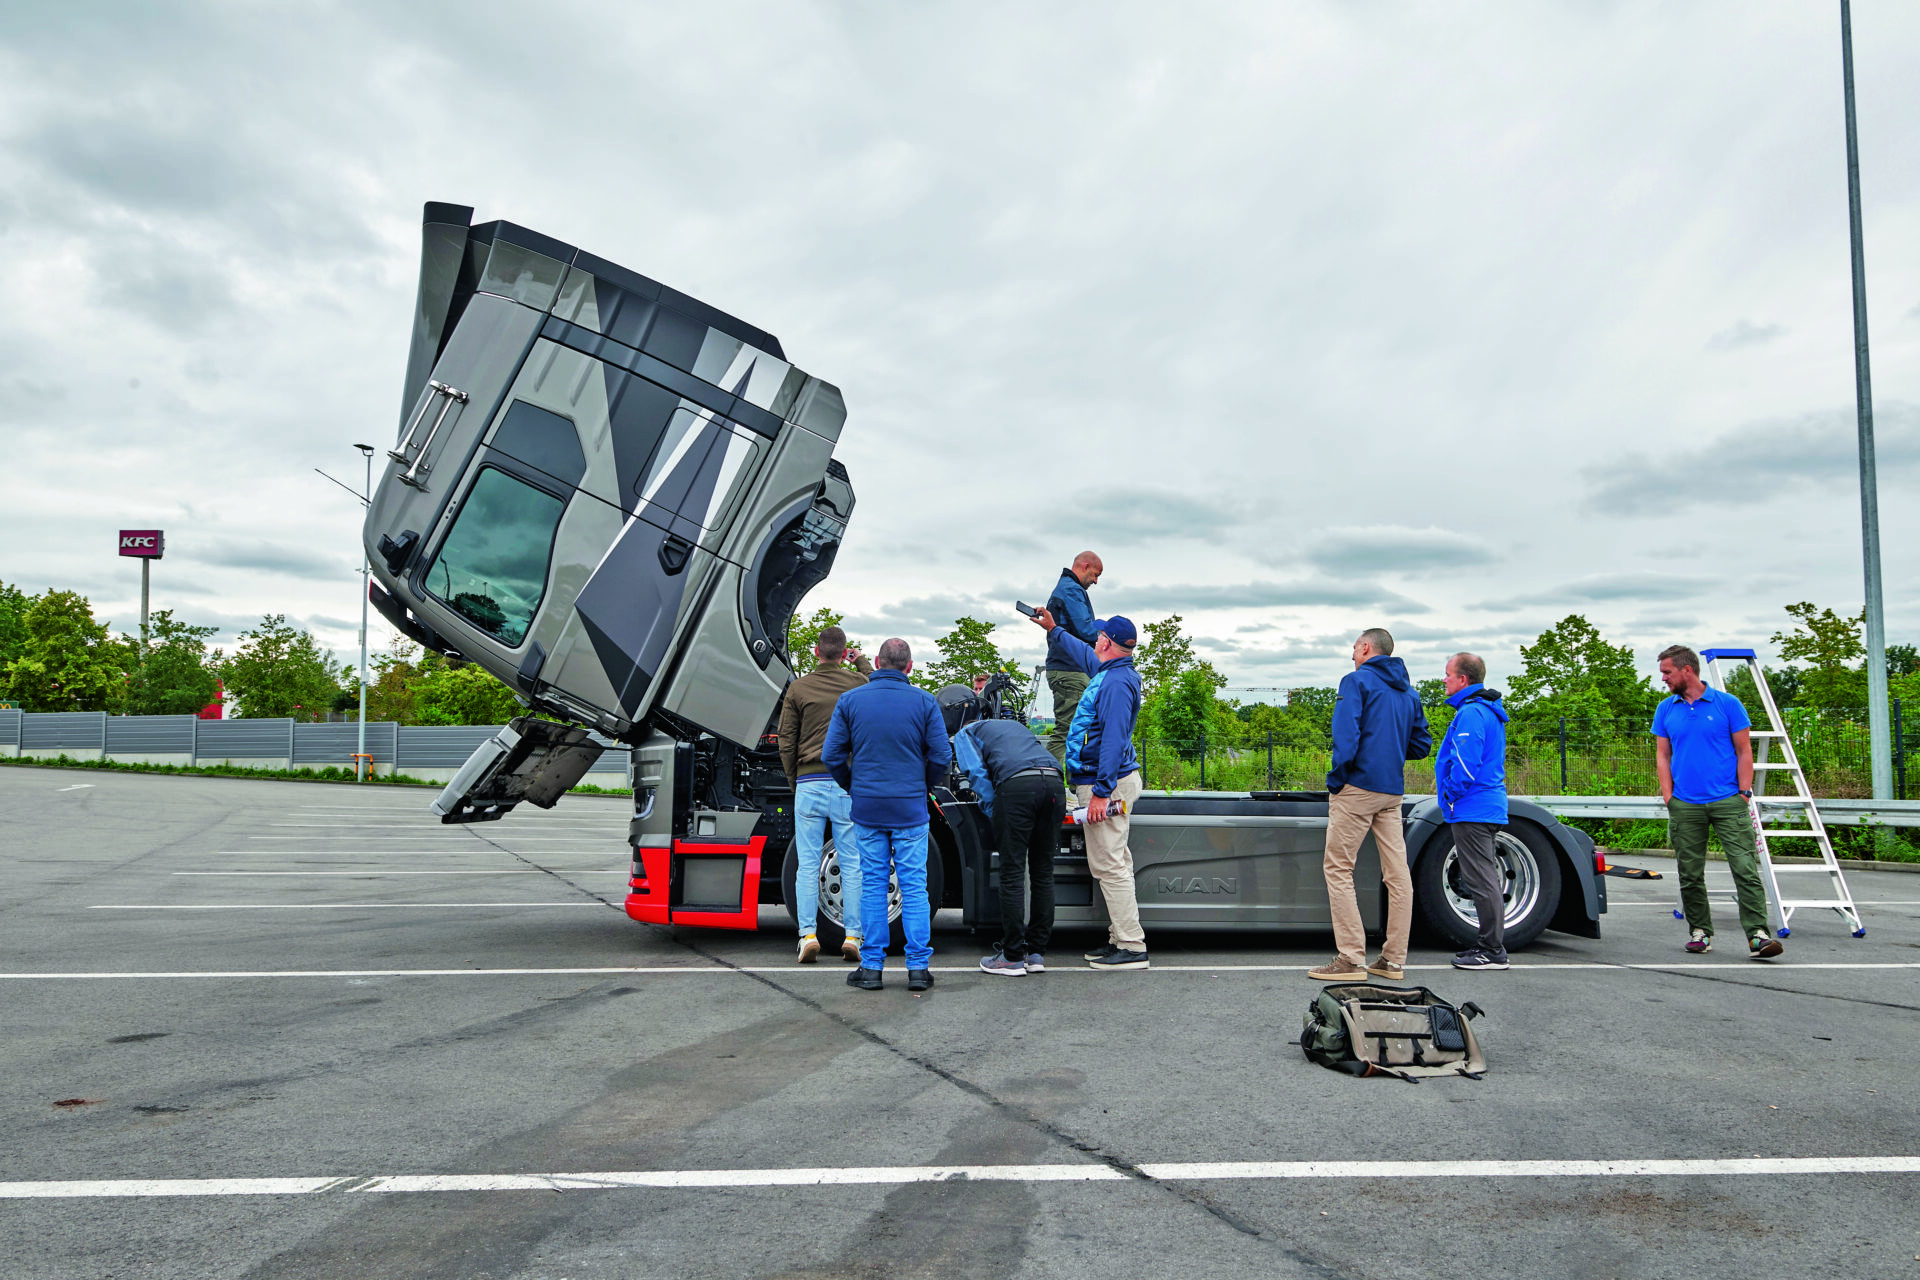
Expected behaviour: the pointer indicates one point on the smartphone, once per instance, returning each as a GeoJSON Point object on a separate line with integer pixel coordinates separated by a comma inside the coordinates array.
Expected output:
{"type": "Point", "coordinates": [1023, 607]}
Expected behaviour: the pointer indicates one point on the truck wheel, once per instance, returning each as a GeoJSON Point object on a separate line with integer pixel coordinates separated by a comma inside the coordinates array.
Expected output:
{"type": "Point", "coordinates": [1533, 887]}
{"type": "Point", "coordinates": [827, 923]}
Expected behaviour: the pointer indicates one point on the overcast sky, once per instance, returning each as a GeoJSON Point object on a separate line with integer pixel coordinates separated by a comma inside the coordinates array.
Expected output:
{"type": "Point", "coordinates": [1308, 317]}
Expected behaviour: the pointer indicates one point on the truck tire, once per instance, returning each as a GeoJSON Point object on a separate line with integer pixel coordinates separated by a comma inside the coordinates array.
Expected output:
{"type": "Point", "coordinates": [1533, 887]}
{"type": "Point", "coordinates": [828, 927]}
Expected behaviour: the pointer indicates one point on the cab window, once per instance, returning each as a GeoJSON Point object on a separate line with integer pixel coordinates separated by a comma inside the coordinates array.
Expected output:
{"type": "Point", "coordinates": [492, 568]}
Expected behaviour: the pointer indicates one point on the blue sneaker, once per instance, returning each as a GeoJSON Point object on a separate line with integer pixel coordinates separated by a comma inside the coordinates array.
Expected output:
{"type": "Point", "coordinates": [1475, 958]}
{"type": "Point", "coordinates": [1036, 962]}
{"type": "Point", "coordinates": [1002, 966]}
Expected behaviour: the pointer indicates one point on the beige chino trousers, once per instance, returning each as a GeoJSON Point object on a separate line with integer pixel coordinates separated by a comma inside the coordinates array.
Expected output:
{"type": "Point", "coordinates": [1111, 862]}
{"type": "Point", "coordinates": [1351, 814]}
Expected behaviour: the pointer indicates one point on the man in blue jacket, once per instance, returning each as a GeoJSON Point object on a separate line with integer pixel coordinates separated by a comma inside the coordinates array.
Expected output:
{"type": "Point", "coordinates": [1377, 727]}
{"type": "Point", "coordinates": [1105, 775]}
{"type": "Point", "coordinates": [887, 745]}
{"type": "Point", "coordinates": [1019, 789]}
{"type": "Point", "coordinates": [1470, 775]}
{"type": "Point", "coordinates": [1069, 606]}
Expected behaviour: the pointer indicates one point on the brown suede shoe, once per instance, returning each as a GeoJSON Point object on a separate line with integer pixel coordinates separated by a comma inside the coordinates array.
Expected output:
{"type": "Point", "coordinates": [1337, 970]}
{"type": "Point", "coordinates": [1391, 972]}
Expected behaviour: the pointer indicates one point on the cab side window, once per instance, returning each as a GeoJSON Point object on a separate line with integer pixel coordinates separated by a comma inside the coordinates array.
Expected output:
{"type": "Point", "coordinates": [492, 568]}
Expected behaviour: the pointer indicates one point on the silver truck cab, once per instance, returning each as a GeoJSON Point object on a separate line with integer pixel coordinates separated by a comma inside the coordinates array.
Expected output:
{"type": "Point", "coordinates": [608, 494]}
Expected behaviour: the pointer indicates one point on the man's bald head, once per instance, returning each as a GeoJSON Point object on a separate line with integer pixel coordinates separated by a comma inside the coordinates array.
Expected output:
{"type": "Point", "coordinates": [1087, 568]}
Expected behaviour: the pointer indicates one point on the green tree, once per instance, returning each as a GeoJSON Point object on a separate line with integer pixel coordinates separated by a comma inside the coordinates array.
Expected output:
{"type": "Point", "coordinates": [14, 604]}
{"type": "Point", "coordinates": [281, 670]}
{"type": "Point", "coordinates": [804, 633]}
{"type": "Point", "coordinates": [463, 694]}
{"type": "Point", "coordinates": [1164, 653]}
{"type": "Point", "coordinates": [66, 660]}
{"type": "Point", "coordinates": [1572, 671]}
{"type": "Point", "coordinates": [391, 691]}
{"type": "Point", "coordinates": [175, 676]}
{"type": "Point", "coordinates": [1831, 646]}
{"type": "Point", "coordinates": [965, 652]}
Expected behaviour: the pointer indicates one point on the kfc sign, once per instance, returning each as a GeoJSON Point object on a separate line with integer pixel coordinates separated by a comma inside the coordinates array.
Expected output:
{"type": "Point", "coordinates": [149, 544]}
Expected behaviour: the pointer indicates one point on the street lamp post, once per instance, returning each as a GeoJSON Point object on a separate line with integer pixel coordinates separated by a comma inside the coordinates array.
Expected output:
{"type": "Point", "coordinates": [360, 761]}
{"type": "Point", "coordinates": [1880, 748]}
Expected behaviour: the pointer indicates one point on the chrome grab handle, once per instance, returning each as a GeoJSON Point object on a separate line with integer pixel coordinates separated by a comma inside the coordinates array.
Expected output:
{"type": "Point", "coordinates": [453, 396]}
{"type": "Point", "coordinates": [400, 454]}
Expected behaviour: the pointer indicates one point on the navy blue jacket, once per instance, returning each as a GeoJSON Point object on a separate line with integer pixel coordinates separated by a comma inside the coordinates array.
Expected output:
{"type": "Point", "coordinates": [1470, 769]}
{"type": "Point", "coordinates": [1377, 727]}
{"type": "Point", "coordinates": [991, 751]}
{"type": "Point", "coordinates": [1073, 611]}
{"type": "Point", "coordinates": [1100, 740]}
{"type": "Point", "coordinates": [887, 745]}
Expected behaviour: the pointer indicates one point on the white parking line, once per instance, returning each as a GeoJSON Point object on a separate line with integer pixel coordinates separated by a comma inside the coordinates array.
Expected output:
{"type": "Point", "coordinates": [316, 906]}
{"type": "Point", "coordinates": [802, 971]}
{"type": "Point", "coordinates": [722, 1179]}
{"type": "Point", "coordinates": [450, 871]}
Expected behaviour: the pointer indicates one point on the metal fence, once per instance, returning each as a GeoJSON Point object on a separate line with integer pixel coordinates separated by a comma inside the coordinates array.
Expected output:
{"type": "Point", "coordinates": [1552, 756]}
{"type": "Point", "coordinates": [188, 740]}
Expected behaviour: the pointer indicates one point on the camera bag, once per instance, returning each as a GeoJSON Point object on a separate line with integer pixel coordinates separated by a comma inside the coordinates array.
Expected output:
{"type": "Point", "coordinates": [1367, 1030]}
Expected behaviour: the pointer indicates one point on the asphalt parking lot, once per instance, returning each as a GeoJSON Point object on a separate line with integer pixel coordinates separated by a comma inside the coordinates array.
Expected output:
{"type": "Point", "coordinates": [303, 1030]}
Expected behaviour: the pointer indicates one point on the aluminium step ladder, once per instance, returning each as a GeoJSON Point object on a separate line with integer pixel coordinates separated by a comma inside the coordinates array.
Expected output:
{"type": "Point", "coordinates": [1800, 804]}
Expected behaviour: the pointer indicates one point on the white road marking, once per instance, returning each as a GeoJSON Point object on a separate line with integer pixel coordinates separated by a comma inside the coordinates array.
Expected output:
{"type": "Point", "coordinates": [423, 823]}
{"type": "Point", "coordinates": [78, 786]}
{"type": "Point", "coordinates": [376, 874]}
{"type": "Point", "coordinates": [317, 906]}
{"type": "Point", "coordinates": [464, 850]}
{"type": "Point", "coordinates": [1858, 902]}
{"type": "Point", "coordinates": [722, 1179]}
{"type": "Point", "coordinates": [823, 970]}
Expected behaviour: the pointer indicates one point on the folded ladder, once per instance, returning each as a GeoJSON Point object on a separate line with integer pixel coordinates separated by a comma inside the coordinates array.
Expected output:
{"type": "Point", "coordinates": [1780, 909]}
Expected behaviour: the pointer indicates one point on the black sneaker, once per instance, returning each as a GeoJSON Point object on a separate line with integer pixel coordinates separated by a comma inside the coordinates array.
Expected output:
{"type": "Point", "coordinates": [1120, 959]}
{"type": "Point", "coordinates": [865, 979]}
{"type": "Point", "coordinates": [1100, 952]}
{"type": "Point", "coordinates": [919, 979]}
{"type": "Point", "coordinates": [1475, 958]}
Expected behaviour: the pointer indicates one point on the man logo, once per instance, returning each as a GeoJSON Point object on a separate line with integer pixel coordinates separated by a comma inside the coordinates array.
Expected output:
{"type": "Point", "coordinates": [1200, 884]}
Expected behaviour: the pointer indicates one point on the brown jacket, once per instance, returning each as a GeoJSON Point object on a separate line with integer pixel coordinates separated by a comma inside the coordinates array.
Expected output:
{"type": "Point", "coordinates": [806, 711]}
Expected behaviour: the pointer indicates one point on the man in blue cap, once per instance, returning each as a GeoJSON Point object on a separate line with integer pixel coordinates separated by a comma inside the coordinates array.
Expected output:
{"type": "Point", "coordinates": [1105, 774]}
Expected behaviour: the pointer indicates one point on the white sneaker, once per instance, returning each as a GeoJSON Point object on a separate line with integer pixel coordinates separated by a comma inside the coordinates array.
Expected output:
{"type": "Point", "coordinates": [809, 949]}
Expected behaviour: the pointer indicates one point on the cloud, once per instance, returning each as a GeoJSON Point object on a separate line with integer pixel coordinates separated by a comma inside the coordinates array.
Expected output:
{"type": "Point", "coordinates": [1349, 593]}
{"type": "Point", "coordinates": [1387, 548]}
{"type": "Point", "coordinates": [1744, 333]}
{"type": "Point", "coordinates": [1129, 516]}
{"type": "Point", "coordinates": [1754, 462]}
{"type": "Point", "coordinates": [270, 558]}
{"type": "Point", "coordinates": [1610, 587]}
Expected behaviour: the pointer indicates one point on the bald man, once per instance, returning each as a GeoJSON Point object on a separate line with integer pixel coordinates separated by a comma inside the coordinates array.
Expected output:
{"type": "Point", "coordinates": [1074, 613]}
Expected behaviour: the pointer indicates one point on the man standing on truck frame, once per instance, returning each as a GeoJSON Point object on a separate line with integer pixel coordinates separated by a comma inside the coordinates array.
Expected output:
{"type": "Point", "coordinates": [1703, 756]}
{"type": "Point", "coordinates": [1069, 606]}
{"type": "Point", "coordinates": [1105, 775]}
{"type": "Point", "coordinates": [819, 801]}
{"type": "Point", "coordinates": [887, 745]}
{"type": "Point", "coordinates": [1377, 727]}
{"type": "Point", "coordinates": [1470, 779]}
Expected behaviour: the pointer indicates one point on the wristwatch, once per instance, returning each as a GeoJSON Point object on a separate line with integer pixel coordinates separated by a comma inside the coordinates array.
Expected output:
{"type": "Point", "coordinates": [1747, 794]}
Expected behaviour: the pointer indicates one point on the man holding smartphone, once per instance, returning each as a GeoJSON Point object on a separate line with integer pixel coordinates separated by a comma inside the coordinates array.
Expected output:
{"type": "Point", "coordinates": [1070, 608]}
{"type": "Point", "coordinates": [1105, 773]}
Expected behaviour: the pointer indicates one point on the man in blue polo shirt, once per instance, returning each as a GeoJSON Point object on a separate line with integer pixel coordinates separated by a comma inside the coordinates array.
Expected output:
{"type": "Point", "coordinates": [1703, 754]}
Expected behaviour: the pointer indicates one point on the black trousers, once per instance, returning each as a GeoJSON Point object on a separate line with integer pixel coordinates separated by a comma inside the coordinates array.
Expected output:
{"type": "Point", "coordinates": [1027, 813]}
{"type": "Point", "coordinates": [1484, 877]}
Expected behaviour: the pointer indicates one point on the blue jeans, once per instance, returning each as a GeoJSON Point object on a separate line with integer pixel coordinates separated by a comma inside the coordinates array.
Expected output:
{"type": "Point", "coordinates": [816, 804]}
{"type": "Point", "coordinates": [904, 851]}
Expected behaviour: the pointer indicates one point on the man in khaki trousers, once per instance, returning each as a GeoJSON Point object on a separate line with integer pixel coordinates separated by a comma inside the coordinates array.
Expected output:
{"type": "Point", "coordinates": [1377, 727]}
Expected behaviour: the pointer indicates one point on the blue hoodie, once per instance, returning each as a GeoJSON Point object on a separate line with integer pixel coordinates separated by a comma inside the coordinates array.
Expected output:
{"type": "Point", "coordinates": [1074, 612]}
{"type": "Point", "coordinates": [1470, 771]}
{"type": "Point", "coordinates": [1100, 740]}
{"type": "Point", "coordinates": [887, 745]}
{"type": "Point", "coordinates": [1377, 727]}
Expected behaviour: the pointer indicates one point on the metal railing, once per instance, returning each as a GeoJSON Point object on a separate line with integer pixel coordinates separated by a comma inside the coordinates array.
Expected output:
{"type": "Point", "coordinates": [1575, 756]}
{"type": "Point", "coordinates": [294, 744]}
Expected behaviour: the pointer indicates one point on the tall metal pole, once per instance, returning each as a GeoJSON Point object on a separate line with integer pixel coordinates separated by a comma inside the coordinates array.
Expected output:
{"type": "Point", "coordinates": [1880, 748]}
{"type": "Point", "coordinates": [146, 576]}
{"type": "Point", "coordinates": [360, 761]}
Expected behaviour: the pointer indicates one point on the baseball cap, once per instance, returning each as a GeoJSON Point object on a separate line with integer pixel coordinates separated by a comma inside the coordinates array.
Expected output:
{"type": "Point", "coordinates": [1119, 630]}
